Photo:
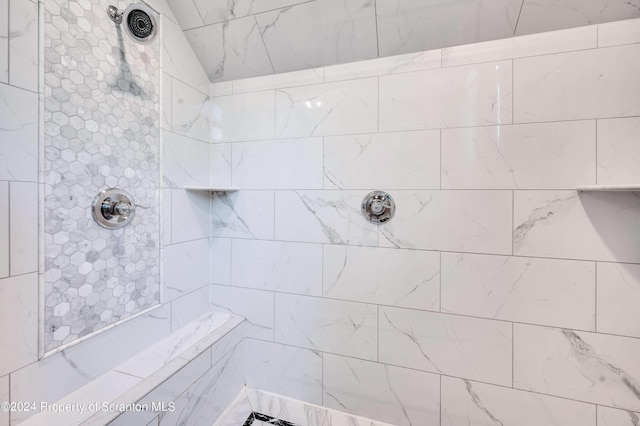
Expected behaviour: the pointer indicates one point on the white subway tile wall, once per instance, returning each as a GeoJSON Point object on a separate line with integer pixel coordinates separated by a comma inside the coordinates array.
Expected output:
{"type": "Point", "coordinates": [497, 293]}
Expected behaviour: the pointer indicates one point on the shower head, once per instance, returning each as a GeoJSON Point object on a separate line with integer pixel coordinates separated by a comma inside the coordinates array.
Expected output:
{"type": "Point", "coordinates": [139, 20]}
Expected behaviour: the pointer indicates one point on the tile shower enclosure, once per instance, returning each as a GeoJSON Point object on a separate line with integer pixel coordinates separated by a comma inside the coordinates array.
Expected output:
{"type": "Point", "coordinates": [101, 119]}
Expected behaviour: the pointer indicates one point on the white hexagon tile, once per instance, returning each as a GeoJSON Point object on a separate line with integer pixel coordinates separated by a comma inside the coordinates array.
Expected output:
{"type": "Point", "coordinates": [101, 121]}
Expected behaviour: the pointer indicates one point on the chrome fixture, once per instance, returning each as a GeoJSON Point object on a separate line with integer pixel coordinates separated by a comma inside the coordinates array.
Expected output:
{"type": "Point", "coordinates": [378, 207]}
{"type": "Point", "coordinates": [113, 208]}
{"type": "Point", "coordinates": [140, 21]}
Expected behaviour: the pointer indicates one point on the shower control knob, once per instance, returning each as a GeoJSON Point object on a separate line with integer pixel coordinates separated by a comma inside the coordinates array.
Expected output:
{"type": "Point", "coordinates": [378, 207]}
{"type": "Point", "coordinates": [113, 208]}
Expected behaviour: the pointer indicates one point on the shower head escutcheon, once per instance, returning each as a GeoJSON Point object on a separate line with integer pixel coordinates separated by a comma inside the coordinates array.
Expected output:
{"type": "Point", "coordinates": [139, 21]}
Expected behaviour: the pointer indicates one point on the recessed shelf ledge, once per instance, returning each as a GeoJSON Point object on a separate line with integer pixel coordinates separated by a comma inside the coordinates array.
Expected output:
{"type": "Point", "coordinates": [612, 188]}
{"type": "Point", "coordinates": [212, 188]}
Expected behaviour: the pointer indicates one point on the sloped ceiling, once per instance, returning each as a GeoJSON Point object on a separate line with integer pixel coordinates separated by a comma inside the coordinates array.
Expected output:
{"type": "Point", "coordinates": [236, 39]}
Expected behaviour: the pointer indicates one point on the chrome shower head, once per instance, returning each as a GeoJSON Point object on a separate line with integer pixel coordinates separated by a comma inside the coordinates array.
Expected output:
{"type": "Point", "coordinates": [139, 20]}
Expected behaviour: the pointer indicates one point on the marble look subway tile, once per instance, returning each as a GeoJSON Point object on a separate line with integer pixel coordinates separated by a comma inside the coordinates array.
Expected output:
{"type": "Point", "coordinates": [220, 261]}
{"type": "Point", "coordinates": [584, 366]}
{"type": "Point", "coordinates": [278, 81]}
{"type": "Point", "coordinates": [397, 395]}
{"type": "Point", "coordinates": [227, 340]}
{"type": "Point", "coordinates": [213, 11]}
{"type": "Point", "coordinates": [406, 278]}
{"type": "Point", "coordinates": [178, 58]}
{"type": "Point", "coordinates": [407, 160]}
{"type": "Point", "coordinates": [319, 33]}
{"type": "Point", "coordinates": [285, 370]}
{"type": "Point", "coordinates": [597, 83]}
{"type": "Point", "coordinates": [4, 41]}
{"type": "Point", "coordinates": [186, 13]}
{"type": "Point", "coordinates": [411, 25]}
{"type": "Point", "coordinates": [473, 95]}
{"type": "Point", "coordinates": [565, 224]}
{"type": "Point", "coordinates": [222, 88]}
{"type": "Point", "coordinates": [476, 349]}
{"type": "Point", "coordinates": [19, 321]}
{"type": "Point", "coordinates": [469, 403]}
{"type": "Point", "coordinates": [551, 292]}
{"type": "Point", "coordinates": [334, 326]}
{"type": "Point", "coordinates": [283, 164]}
{"type": "Point", "coordinates": [186, 268]}
{"type": "Point", "coordinates": [167, 103]}
{"type": "Point", "coordinates": [255, 305]}
{"type": "Point", "coordinates": [4, 229]}
{"type": "Point", "coordinates": [384, 66]}
{"type": "Point", "coordinates": [244, 117]}
{"type": "Point", "coordinates": [191, 112]}
{"type": "Point", "coordinates": [618, 296]}
{"type": "Point", "coordinates": [237, 412]}
{"type": "Point", "coordinates": [620, 32]}
{"type": "Point", "coordinates": [339, 418]}
{"type": "Point", "coordinates": [470, 221]}
{"type": "Point", "coordinates": [285, 409]}
{"type": "Point", "coordinates": [547, 15]}
{"type": "Point", "coordinates": [612, 417]}
{"type": "Point", "coordinates": [618, 150]}
{"type": "Point", "coordinates": [519, 47]}
{"type": "Point", "coordinates": [239, 50]}
{"type": "Point", "coordinates": [277, 266]}
{"type": "Point", "coordinates": [511, 157]}
{"type": "Point", "coordinates": [23, 227]}
{"type": "Point", "coordinates": [190, 212]}
{"type": "Point", "coordinates": [4, 397]}
{"type": "Point", "coordinates": [23, 45]}
{"type": "Point", "coordinates": [327, 109]}
{"type": "Point", "coordinates": [220, 164]}
{"type": "Point", "coordinates": [323, 217]}
{"type": "Point", "coordinates": [18, 134]}
{"type": "Point", "coordinates": [243, 214]}
{"type": "Point", "coordinates": [189, 307]}
{"type": "Point", "coordinates": [166, 216]}
{"type": "Point", "coordinates": [185, 161]}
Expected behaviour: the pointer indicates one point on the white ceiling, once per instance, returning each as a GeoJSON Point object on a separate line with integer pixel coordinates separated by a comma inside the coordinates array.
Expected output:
{"type": "Point", "coordinates": [236, 39]}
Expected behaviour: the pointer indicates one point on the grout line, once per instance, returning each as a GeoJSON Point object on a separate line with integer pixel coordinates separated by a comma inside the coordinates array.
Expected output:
{"type": "Point", "coordinates": [375, 17]}
{"type": "Point", "coordinates": [264, 45]}
{"type": "Point", "coordinates": [515, 27]}
{"type": "Point", "coordinates": [378, 334]}
{"type": "Point", "coordinates": [513, 360]}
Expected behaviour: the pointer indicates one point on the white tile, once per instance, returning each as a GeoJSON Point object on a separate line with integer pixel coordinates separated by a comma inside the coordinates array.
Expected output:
{"type": "Point", "coordinates": [396, 277]}
{"type": "Point", "coordinates": [383, 392]}
{"type": "Point", "coordinates": [469, 403]}
{"type": "Point", "coordinates": [511, 157]}
{"type": "Point", "coordinates": [186, 268]}
{"type": "Point", "coordinates": [411, 25]}
{"type": "Point", "coordinates": [597, 83]}
{"type": "Point", "coordinates": [190, 213]}
{"type": "Point", "coordinates": [244, 117]}
{"type": "Point", "coordinates": [18, 134]}
{"type": "Point", "coordinates": [237, 412]}
{"type": "Point", "coordinates": [277, 266]}
{"type": "Point", "coordinates": [163, 8]}
{"type": "Point", "coordinates": [278, 81]}
{"type": "Point", "coordinates": [407, 160]}
{"type": "Point", "coordinates": [220, 164]}
{"type": "Point", "coordinates": [221, 88]}
{"type": "Point", "coordinates": [319, 33]}
{"type": "Point", "coordinates": [185, 161]}
{"type": "Point", "coordinates": [189, 307]}
{"type": "Point", "coordinates": [617, 150]}
{"type": "Point", "coordinates": [327, 109]}
{"type": "Point", "coordinates": [213, 11]}
{"type": "Point", "coordinates": [191, 112]}
{"type": "Point", "coordinates": [4, 41]}
{"type": "Point", "coordinates": [618, 296]}
{"type": "Point", "coordinates": [19, 322]}
{"type": "Point", "coordinates": [334, 326]}
{"type": "Point", "coordinates": [384, 66]}
{"type": "Point", "coordinates": [565, 224]}
{"type": "Point", "coordinates": [523, 46]}
{"type": "Point", "coordinates": [620, 32]}
{"type": "Point", "coordinates": [186, 13]}
{"type": "Point", "coordinates": [167, 103]}
{"type": "Point", "coordinates": [230, 50]}
{"type": "Point", "coordinates": [166, 216]}
{"type": "Point", "coordinates": [285, 370]}
{"type": "Point", "coordinates": [546, 15]}
{"type": "Point", "coordinates": [228, 340]}
{"type": "Point", "coordinates": [23, 227]}
{"type": "Point", "coordinates": [584, 366]}
{"type": "Point", "coordinates": [323, 217]}
{"type": "Point", "coordinates": [473, 95]}
{"type": "Point", "coordinates": [4, 229]}
{"type": "Point", "coordinates": [280, 164]}
{"type": "Point", "coordinates": [255, 305]}
{"type": "Point", "coordinates": [468, 221]}
{"type": "Point", "coordinates": [178, 58]}
{"type": "Point", "coordinates": [286, 409]}
{"type": "Point", "coordinates": [243, 214]}
{"type": "Point", "coordinates": [23, 45]}
{"type": "Point", "coordinates": [220, 261]}
{"type": "Point", "coordinates": [612, 417]}
{"type": "Point", "coordinates": [4, 397]}
{"type": "Point", "coordinates": [551, 292]}
{"type": "Point", "coordinates": [473, 348]}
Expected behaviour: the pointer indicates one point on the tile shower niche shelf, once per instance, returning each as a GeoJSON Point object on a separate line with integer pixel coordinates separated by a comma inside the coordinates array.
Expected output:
{"type": "Point", "coordinates": [610, 188]}
{"type": "Point", "coordinates": [212, 188]}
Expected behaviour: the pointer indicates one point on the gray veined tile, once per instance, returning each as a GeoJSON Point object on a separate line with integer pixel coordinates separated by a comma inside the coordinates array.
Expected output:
{"type": "Point", "coordinates": [186, 13]}
{"type": "Point", "coordinates": [23, 45]}
{"type": "Point", "coordinates": [4, 42]}
{"type": "Point", "coordinates": [232, 48]}
{"type": "Point", "coordinates": [214, 11]}
{"type": "Point", "coordinates": [612, 417]}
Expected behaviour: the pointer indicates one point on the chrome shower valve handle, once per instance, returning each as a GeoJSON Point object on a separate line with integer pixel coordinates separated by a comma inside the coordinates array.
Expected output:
{"type": "Point", "coordinates": [113, 208]}
{"type": "Point", "coordinates": [378, 207]}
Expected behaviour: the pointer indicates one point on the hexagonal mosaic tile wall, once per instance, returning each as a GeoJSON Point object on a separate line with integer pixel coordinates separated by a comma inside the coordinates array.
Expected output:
{"type": "Point", "coordinates": [101, 130]}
